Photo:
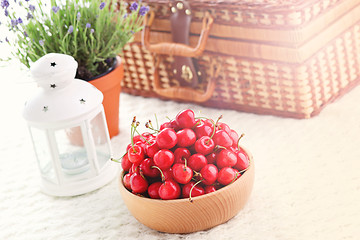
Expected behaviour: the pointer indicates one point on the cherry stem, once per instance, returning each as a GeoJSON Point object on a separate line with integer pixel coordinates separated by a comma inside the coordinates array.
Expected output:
{"type": "Point", "coordinates": [141, 173]}
{"type": "Point", "coordinates": [217, 147]}
{"type": "Point", "coordinates": [214, 126]}
{"type": "Point", "coordinates": [161, 173]}
{"type": "Point", "coordinates": [196, 174]}
{"type": "Point", "coordinates": [118, 160]}
{"type": "Point", "coordinates": [190, 199]}
{"type": "Point", "coordinates": [149, 126]}
{"type": "Point", "coordinates": [185, 161]}
{"type": "Point", "coordinates": [134, 124]}
{"type": "Point", "coordinates": [241, 136]}
{"type": "Point", "coordinates": [115, 160]}
{"type": "Point", "coordinates": [220, 117]}
{"type": "Point", "coordinates": [237, 174]}
{"type": "Point", "coordinates": [142, 137]}
{"type": "Point", "coordinates": [157, 122]}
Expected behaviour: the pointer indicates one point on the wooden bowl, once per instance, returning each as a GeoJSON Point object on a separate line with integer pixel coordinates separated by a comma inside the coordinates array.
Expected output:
{"type": "Point", "coordinates": [182, 216]}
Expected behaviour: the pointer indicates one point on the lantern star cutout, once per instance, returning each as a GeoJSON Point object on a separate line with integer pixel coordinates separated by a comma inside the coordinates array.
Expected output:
{"type": "Point", "coordinates": [53, 85]}
{"type": "Point", "coordinates": [45, 108]}
{"type": "Point", "coordinates": [53, 64]}
{"type": "Point", "coordinates": [82, 101]}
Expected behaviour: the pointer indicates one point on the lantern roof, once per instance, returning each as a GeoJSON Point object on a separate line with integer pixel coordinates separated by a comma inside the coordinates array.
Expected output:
{"type": "Point", "coordinates": [60, 96]}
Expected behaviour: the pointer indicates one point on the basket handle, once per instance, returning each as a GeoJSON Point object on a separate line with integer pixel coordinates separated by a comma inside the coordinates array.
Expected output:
{"type": "Point", "coordinates": [177, 49]}
{"type": "Point", "coordinates": [186, 93]}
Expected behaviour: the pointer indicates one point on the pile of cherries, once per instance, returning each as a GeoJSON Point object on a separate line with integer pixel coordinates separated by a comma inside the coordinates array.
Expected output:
{"type": "Point", "coordinates": [186, 157]}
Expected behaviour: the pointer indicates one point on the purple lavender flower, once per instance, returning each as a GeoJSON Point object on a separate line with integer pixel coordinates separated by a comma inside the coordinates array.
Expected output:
{"type": "Point", "coordinates": [19, 20]}
{"type": "Point", "coordinates": [6, 39]}
{"type": "Point", "coordinates": [78, 15]}
{"type": "Point", "coordinates": [25, 34]}
{"type": "Point", "coordinates": [92, 30]}
{"type": "Point", "coordinates": [41, 42]}
{"type": "Point", "coordinates": [5, 3]}
{"type": "Point", "coordinates": [31, 7]}
{"type": "Point", "coordinates": [143, 10]}
{"type": "Point", "coordinates": [55, 9]}
{"type": "Point", "coordinates": [13, 22]}
{"type": "Point", "coordinates": [6, 13]}
{"type": "Point", "coordinates": [88, 25]}
{"type": "Point", "coordinates": [134, 6]}
{"type": "Point", "coordinates": [102, 5]}
{"type": "Point", "coordinates": [71, 29]}
{"type": "Point", "coordinates": [29, 16]}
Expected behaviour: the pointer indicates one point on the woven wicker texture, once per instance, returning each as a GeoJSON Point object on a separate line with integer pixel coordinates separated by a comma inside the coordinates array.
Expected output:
{"type": "Point", "coordinates": [296, 79]}
{"type": "Point", "coordinates": [261, 13]}
{"type": "Point", "coordinates": [262, 86]}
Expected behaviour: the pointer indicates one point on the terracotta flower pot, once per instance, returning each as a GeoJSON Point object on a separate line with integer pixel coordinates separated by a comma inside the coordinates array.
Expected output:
{"type": "Point", "coordinates": [110, 85]}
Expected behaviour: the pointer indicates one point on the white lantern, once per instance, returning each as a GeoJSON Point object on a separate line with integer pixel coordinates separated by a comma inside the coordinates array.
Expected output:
{"type": "Point", "coordinates": [68, 129]}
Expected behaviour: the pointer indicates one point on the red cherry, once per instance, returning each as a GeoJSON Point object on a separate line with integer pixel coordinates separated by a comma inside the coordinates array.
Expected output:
{"type": "Point", "coordinates": [221, 138]}
{"type": "Point", "coordinates": [185, 137]}
{"type": "Point", "coordinates": [197, 161]}
{"type": "Point", "coordinates": [182, 173]}
{"type": "Point", "coordinates": [181, 154]}
{"type": "Point", "coordinates": [126, 181]}
{"type": "Point", "coordinates": [168, 175]}
{"type": "Point", "coordinates": [153, 190]}
{"type": "Point", "coordinates": [137, 138]}
{"type": "Point", "coordinates": [210, 123]}
{"type": "Point", "coordinates": [234, 137]}
{"type": "Point", "coordinates": [164, 159]}
{"type": "Point", "coordinates": [201, 129]}
{"type": "Point", "coordinates": [204, 145]}
{"type": "Point", "coordinates": [146, 168]}
{"type": "Point", "coordinates": [196, 191]}
{"type": "Point", "coordinates": [125, 163]}
{"type": "Point", "coordinates": [211, 158]}
{"type": "Point", "coordinates": [225, 127]}
{"type": "Point", "coordinates": [226, 158]}
{"type": "Point", "coordinates": [242, 160]}
{"type": "Point", "coordinates": [174, 125]}
{"type": "Point", "coordinates": [134, 168]}
{"type": "Point", "coordinates": [165, 125]}
{"type": "Point", "coordinates": [136, 154]}
{"type": "Point", "coordinates": [226, 175]}
{"type": "Point", "coordinates": [185, 119]}
{"type": "Point", "coordinates": [138, 183]}
{"type": "Point", "coordinates": [169, 190]}
{"type": "Point", "coordinates": [152, 148]}
{"type": "Point", "coordinates": [209, 173]}
{"type": "Point", "coordinates": [166, 138]}
{"type": "Point", "coordinates": [210, 188]}
{"type": "Point", "coordinates": [147, 136]}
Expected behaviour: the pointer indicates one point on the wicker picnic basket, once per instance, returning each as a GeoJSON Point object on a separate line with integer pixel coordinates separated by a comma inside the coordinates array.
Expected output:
{"type": "Point", "coordinates": [285, 58]}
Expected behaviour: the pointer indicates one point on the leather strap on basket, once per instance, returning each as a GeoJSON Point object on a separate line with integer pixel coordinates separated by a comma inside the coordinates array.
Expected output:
{"type": "Point", "coordinates": [180, 49]}
{"type": "Point", "coordinates": [183, 67]}
{"type": "Point", "coordinates": [176, 49]}
{"type": "Point", "coordinates": [186, 93]}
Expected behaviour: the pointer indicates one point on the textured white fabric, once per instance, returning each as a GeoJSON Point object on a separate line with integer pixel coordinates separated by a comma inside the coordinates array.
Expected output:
{"type": "Point", "coordinates": [307, 183]}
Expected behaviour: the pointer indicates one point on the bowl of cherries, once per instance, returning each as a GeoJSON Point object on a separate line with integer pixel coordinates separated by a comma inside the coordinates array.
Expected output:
{"type": "Point", "coordinates": [189, 175]}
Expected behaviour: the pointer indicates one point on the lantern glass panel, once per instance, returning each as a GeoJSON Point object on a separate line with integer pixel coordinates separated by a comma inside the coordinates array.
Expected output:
{"type": "Point", "coordinates": [99, 133]}
{"type": "Point", "coordinates": [71, 150]}
{"type": "Point", "coordinates": [43, 154]}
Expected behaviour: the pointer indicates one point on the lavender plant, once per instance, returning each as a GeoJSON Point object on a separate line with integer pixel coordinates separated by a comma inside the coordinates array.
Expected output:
{"type": "Point", "coordinates": [91, 31]}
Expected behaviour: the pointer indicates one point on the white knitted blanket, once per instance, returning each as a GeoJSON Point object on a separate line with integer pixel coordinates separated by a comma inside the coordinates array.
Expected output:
{"type": "Point", "coordinates": [307, 183]}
